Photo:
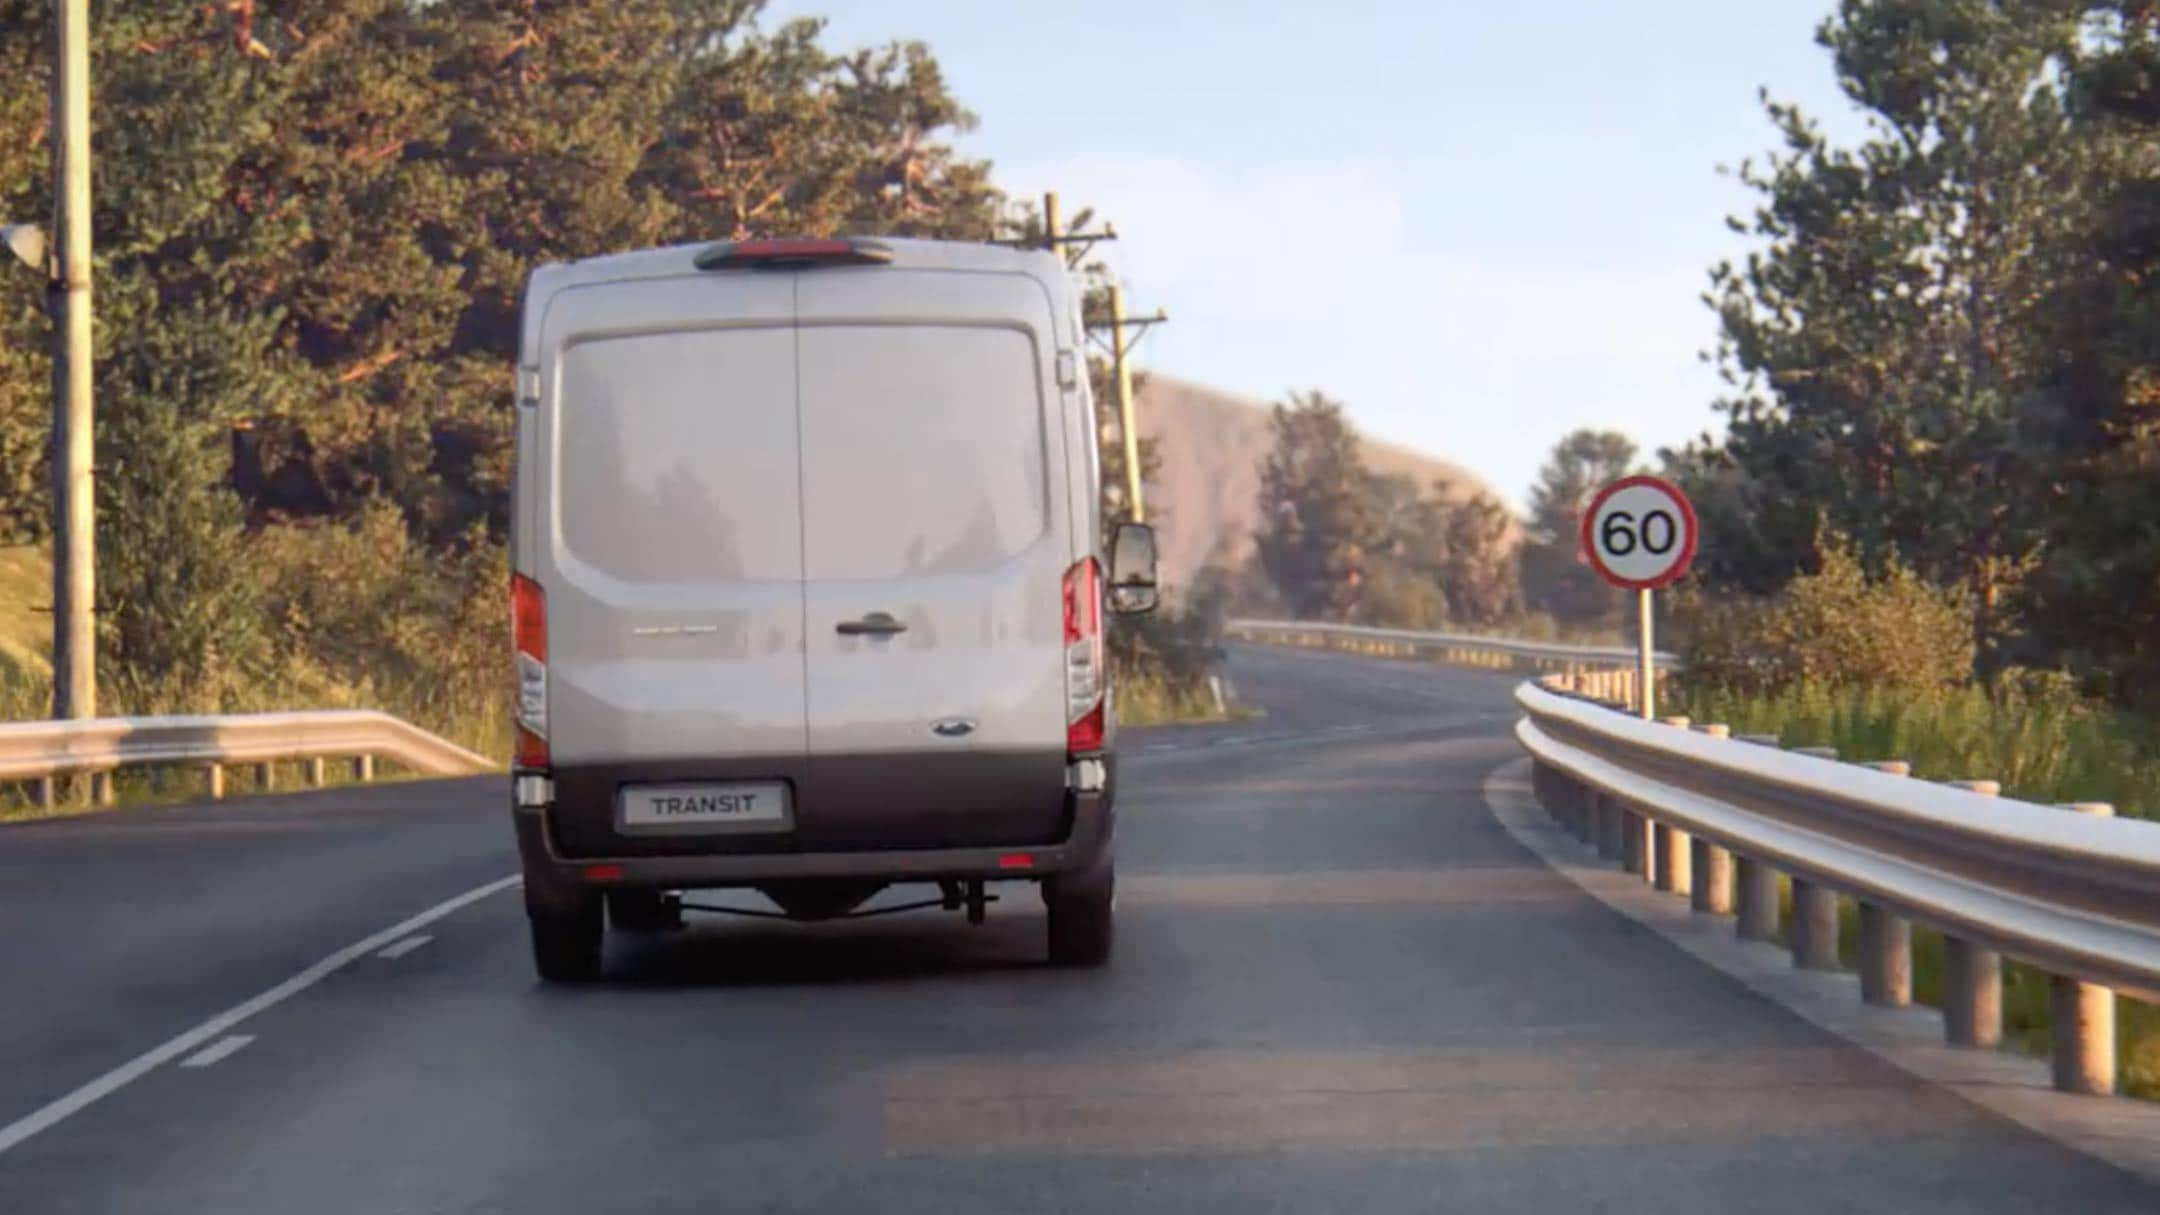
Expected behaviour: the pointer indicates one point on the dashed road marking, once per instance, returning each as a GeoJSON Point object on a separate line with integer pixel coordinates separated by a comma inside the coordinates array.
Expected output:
{"type": "Point", "coordinates": [403, 947]}
{"type": "Point", "coordinates": [51, 1114]}
{"type": "Point", "coordinates": [227, 1045]}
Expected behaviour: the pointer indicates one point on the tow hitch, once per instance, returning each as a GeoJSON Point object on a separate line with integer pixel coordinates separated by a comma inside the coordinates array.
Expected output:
{"type": "Point", "coordinates": [954, 894]}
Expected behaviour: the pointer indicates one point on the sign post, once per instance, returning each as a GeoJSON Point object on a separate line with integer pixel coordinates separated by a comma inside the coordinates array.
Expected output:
{"type": "Point", "coordinates": [1639, 534]}
{"type": "Point", "coordinates": [1646, 642]}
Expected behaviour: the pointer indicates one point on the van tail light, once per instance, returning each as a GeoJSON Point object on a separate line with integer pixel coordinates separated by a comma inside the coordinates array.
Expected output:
{"type": "Point", "coordinates": [1086, 680]}
{"type": "Point", "coordinates": [528, 631]}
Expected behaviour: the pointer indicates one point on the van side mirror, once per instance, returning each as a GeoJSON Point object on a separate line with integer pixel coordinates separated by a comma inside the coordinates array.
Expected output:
{"type": "Point", "coordinates": [1132, 569]}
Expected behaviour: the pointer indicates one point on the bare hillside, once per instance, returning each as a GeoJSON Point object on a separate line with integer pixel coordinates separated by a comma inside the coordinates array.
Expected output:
{"type": "Point", "coordinates": [1212, 446]}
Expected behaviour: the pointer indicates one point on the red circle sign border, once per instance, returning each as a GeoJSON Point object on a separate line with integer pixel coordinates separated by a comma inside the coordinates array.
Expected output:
{"type": "Point", "coordinates": [1687, 550]}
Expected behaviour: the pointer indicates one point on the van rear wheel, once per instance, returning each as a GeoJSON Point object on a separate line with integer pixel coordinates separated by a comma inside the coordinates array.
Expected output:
{"type": "Point", "coordinates": [566, 942]}
{"type": "Point", "coordinates": [1082, 908]}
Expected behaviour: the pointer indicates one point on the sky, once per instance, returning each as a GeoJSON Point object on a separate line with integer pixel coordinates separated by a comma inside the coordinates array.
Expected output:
{"type": "Point", "coordinates": [1480, 226]}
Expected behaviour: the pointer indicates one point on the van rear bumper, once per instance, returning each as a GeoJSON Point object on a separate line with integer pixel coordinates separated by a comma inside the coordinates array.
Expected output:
{"type": "Point", "coordinates": [1092, 818]}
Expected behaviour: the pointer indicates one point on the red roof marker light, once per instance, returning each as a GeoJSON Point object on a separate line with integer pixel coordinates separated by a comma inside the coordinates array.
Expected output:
{"type": "Point", "coordinates": [791, 251]}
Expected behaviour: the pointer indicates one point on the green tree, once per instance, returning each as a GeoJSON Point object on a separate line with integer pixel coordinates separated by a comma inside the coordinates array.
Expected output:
{"type": "Point", "coordinates": [2094, 604]}
{"type": "Point", "coordinates": [1481, 572]}
{"type": "Point", "coordinates": [1885, 350]}
{"type": "Point", "coordinates": [1318, 527]}
{"type": "Point", "coordinates": [772, 133]}
{"type": "Point", "coordinates": [1406, 585]}
{"type": "Point", "coordinates": [315, 224]}
{"type": "Point", "coordinates": [1556, 577]}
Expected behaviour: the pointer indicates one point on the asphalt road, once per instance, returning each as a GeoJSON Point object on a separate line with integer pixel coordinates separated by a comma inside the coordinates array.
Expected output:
{"type": "Point", "coordinates": [1339, 986]}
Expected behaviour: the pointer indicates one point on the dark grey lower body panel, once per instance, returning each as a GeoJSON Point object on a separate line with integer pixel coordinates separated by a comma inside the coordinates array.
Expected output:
{"type": "Point", "coordinates": [553, 878]}
{"type": "Point", "coordinates": [933, 800]}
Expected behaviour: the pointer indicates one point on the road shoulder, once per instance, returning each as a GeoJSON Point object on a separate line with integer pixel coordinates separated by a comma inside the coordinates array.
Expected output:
{"type": "Point", "coordinates": [2121, 1132]}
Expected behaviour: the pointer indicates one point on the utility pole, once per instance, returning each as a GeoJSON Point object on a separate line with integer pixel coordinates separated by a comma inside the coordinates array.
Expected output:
{"type": "Point", "coordinates": [74, 519]}
{"type": "Point", "coordinates": [1121, 368]}
{"type": "Point", "coordinates": [1055, 238]}
{"type": "Point", "coordinates": [1127, 426]}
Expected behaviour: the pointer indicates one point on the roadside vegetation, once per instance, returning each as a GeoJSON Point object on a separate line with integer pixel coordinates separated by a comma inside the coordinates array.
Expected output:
{"type": "Point", "coordinates": [308, 312]}
{"type": "Point", "coordinates": [1929, 526]}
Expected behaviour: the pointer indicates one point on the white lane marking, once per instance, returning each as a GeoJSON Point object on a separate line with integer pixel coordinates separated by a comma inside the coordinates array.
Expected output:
{"type": "Point", "coordinates": [403, 947]}
{"type": "Point", "coordinates": [134, 1069]}
{"type": "Point", "coordinates": [224, 1046]}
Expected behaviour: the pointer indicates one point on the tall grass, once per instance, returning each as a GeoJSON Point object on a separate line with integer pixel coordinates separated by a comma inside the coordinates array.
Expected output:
{"type": "Point", "coordinates": [2048, 748]}
{"type": "Point", "coordinates": [1147, 699]}
{"type": "Point", "coordinates": [2045, 748]}
{"type": "Point", "coordinates": [464, 706]}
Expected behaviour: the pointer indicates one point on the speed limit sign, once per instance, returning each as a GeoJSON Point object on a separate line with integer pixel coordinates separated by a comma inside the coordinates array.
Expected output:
{"type": "Point", "coordinates": [1639, 533]}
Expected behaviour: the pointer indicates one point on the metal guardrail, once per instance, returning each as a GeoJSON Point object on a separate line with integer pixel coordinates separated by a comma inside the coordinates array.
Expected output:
{"type": "Point", "coordinates": [39, 752]}
{"type": "Point", "coordinates": [1718, 819]}
{"type": "Point", "coordinates": [1542, 655]}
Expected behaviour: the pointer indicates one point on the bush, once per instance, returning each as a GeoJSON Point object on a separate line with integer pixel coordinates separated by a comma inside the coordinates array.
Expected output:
{"type": "Point", "coordinates": [348, 615]}
{"type": "Point", "coordinates": [1835, 629]}
{"type": "Point", "coordinates": [1160, 662]}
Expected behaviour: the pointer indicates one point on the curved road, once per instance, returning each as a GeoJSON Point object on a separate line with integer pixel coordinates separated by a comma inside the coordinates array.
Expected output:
{"type": "Point", "coordinates": [1340, 986]}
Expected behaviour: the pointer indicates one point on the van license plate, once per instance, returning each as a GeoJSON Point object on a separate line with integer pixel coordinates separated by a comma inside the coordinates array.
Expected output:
{"type": "Point", "coordinates": [747, 806]}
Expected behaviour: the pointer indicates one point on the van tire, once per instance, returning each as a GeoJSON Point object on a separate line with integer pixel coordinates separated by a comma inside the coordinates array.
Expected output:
{"type": "Point", "coordinates": [1082, 917]}
{"type": "Point", "coordinates": [566, 944]}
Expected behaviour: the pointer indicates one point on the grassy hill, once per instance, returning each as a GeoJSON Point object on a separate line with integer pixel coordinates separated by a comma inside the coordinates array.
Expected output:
{"type": "Point", "coordinates": [25, 634]}
{"type": "Point", "coordinates": [1212, 445]}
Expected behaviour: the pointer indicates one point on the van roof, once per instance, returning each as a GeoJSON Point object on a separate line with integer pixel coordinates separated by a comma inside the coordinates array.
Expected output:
{"type": "Point", "coordinates": [674, 260]}
{"type": "Point", "coordinates": [679, 259]}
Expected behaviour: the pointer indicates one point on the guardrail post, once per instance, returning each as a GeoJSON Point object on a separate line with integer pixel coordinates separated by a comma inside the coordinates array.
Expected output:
{"type": "Point", "coordinates": [1972, 993]}
{"type": "Point", "coordinates": [2084, 1018]}
{"type": "Point", "coordinates": [41, 791]}
{"type": "Point", "coordinates": [265, 777]}
{"type": "Point", "coordinates": [1571, 799]}
{"type": "Point", "coordinates": [317, 772]}
{"type": "Point", "coordinates": [101, 788]}
{"type": "Point", "coordinates": [1709, 866]}
{"type": "Point", "coordinates": [363, 768]}
{"type": "Point", "coordinates": [1755, 883]}
{"type": "Point", "coordinates": [1635, 854]}
{"type": "Point", "coordinates": [1885, 957]}
{"type": "Point", "coordinates": [1886, 937]}
{"type": "Point", "coordinates": [1815, 926]}
{"type": "Point", "coordinates": [1675, 860]}
{"type": "Point", "coordinates": [214, 780]}
{"type": "Point", "coordinates": [1972, 974]}
{"type": "Point", "coordinates": [1675, 853]}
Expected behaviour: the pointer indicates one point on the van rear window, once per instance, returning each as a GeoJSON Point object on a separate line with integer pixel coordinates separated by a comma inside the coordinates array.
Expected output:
{"type": "Point", "coordinates": [676, 456]}
{"type": "Point", "coordinates": [923, 449]}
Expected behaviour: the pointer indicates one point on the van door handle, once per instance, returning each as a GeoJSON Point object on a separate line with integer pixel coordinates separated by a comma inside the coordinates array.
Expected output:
{"type": "Point", "coordinates": [876, 624]}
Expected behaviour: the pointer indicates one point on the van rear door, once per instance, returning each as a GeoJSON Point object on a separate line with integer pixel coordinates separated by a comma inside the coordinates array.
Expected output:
{"type": "Point", "coordinates": [672, 549]}
{"type": "Point", "coordinates": [934, 544]}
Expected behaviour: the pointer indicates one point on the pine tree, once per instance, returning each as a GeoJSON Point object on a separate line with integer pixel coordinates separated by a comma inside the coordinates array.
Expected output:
{"type": "Point", "coordinates": [1318, 526]}
{"type": "Point", "coordinates": [1557, 579]}
{"type": "Point", "coordinates": [1886, 350]}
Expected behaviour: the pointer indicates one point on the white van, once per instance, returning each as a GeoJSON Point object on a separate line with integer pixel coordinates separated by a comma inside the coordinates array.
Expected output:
{"type": "Point", "coordinates": [808, 587]}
